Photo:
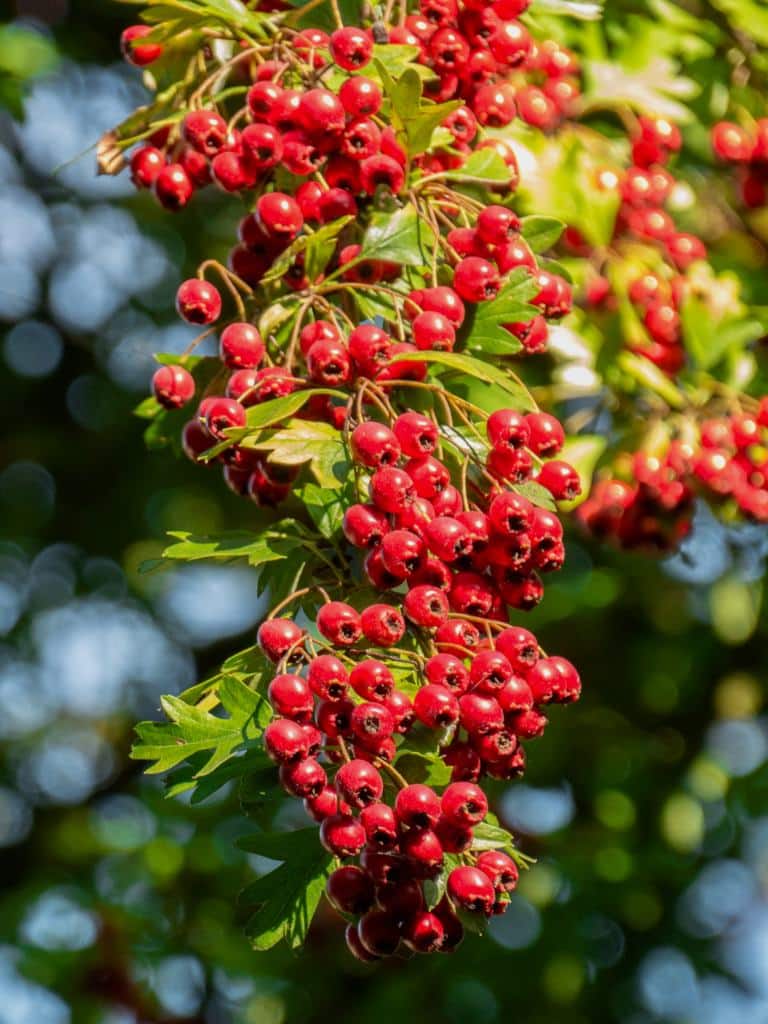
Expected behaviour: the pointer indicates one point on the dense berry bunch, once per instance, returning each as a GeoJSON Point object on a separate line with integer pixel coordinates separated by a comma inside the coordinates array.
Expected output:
{"type": "Point", "coordinates": [723, 459]}
{"type": "Point", "coordinates": [747, 149]}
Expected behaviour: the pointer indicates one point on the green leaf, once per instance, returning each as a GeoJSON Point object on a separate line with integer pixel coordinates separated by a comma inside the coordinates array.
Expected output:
{"type": "Point", "coordinates": [469, 366]}
{"type": "Point", "coordinates": [486, 332]}
{"type": "Point", "coordinates": [481, 167]}
{"type": "Point", "coordinates": [647, 375]}
{"type": "Point", "coordinates": [317, 248]}
{"type": "Point", "coordinates": [402, 237]}
{"type": "Point", "coordinates": [191, 730]}
{"type": "Point", "coordinates": [285, 900]}
{"type": "Point", "coordinates": [325, 506]}
{"type": "Point", "coordinates": [183, 779]}
{"type": "Point", "coordinates": [537, 494]}
{"type": "Point", "coordinates": [269, 546]}
{"type": "Point", "coordinates": [489, 835]}
{"type": "Point", "coordinates": [748, 16]}
{"type": "Point", "coordinates": [313, 442]}
{"type": "Point", "coordinates": [260, 796]}
{"type": "Point", "coordinates": [427, 768]}
{"type": "Point", "coordinates": [421, 127]}
{"type": "Point", "coordinates": [709, 340]}
{"type": "Point", "coordinates": [541, 233]}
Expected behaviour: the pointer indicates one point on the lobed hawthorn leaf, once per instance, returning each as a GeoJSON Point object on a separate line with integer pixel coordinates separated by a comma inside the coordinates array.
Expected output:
{"type": "Point", "coordinates": [326, 506]}
{"type": "Point", "coordinates": [271, 545]}
{"type": "Point", "coordinates": [427, 768]}
{"type": "Point", "coordinates": [469, 366]}
{"type": "Point", "coordinates": [191, 730]}
{"type": "Point", "coordinates": [285, 900]}
{"type": "Point", "coordinates": [541, 233]}
{"type": "Point", "coordinates": [248, 665]}
{"type": "Point", "coordinates": [402, 237]}
{"type": "Point", "coordinates": [183, 779]}
{"type": "Point", "coordinates": [259, 795]}
{"type": "Point", "coordinates": [486, 332]}
{"type": "Point", "coordinates": [421, 128]}
{"type": "Point", "coordinates": [489, 835]}
{"type": "Point", "coordinates": [308, 441]}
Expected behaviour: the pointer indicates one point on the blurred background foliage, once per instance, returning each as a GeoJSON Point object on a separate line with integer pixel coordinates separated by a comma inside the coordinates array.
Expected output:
{"type": "Point", "coordinates": [646, 805]}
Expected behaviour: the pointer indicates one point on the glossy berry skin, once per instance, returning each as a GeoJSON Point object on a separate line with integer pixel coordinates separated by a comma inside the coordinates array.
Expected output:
{"type": "Point", "coordinates": [392, 489]}
{"type": "Point", "coordinates": [500, 869]}
{"type": "Point", "coordinates": [279, 215]}
{"type": "Point", "coordinates": [379, 933]}
{"type": "Point", "coordinates": [364, 526]}
{"type": "Point", "coordinates": [436, 706]}
{"type": "Point", "coordinates": [446, 670]}
{"type": "Point", "coordinates": [241, 347]}
{"type": "Point", "coordinates": [508, 430]}
{"type": "Point", "coordinates": [464, 804]}
{"type": "Point", "coordinates": [276, 637]}
{"type": "Point", "coordinates": [339, 623]}
{"type": "Point", "coordinates": [416, 434]}
{"type": "Point", "coordinates": [285, 741]}
{"type": "Point", "coordinates": [382, 624]}
{"type": "Point", "coordinates": [222, 414]}
{"type": "Point", "coordinates": [372, 722]}
{"type": "Point", "coordinates": [360, 97]}
{"type": "Point", "coordinates": [480, 715]}
{"type": "Point", "coordinates": [146, 164]}
{"type": "Point", "coordinates": [433, 332]}
{"type": "Point", "coordinates": [137, 53]}
{"type": "Point", "coordinates": [291, 697]}
{"type": "Point", "coordinates": [342, 835]}
{"type": "Point", "coordinates": [205, 131]}
{"type": "Point", "coordinates": [380, 824]}
{"type": "Point", "coordinates": [173, 187]}
{"type": "Point", "coordinates": [359, 783]}
{"type": "Point", "coordinates": [173, 386]}
{"type": "Point", "coordinates": [304, 779]}
{"type": "Point", "coordinates": [471, 889]}
{"type": "Point", "coordinates": [374, 445]}
{"type": "Point", "coordinates": [424, 933]}
{"type": "Point", "coordinates": [426, 606]}
{"type": "Point", "coordinates": [350, 890]}
{"type": "Point", "coordinates": [198, 302]}
{"type": "Point", "coordinates": [560, 479]}
{"type": "Point", "coordinates": [510, 513]}
{"type": "Point", "coordinates": [476, 279]}
{"type": "Point", "coordinates": [327, 677]}
{"type": "Point", "coordinates": [417, 806]}
{"type": "Point", "coordinates": [351, 48]}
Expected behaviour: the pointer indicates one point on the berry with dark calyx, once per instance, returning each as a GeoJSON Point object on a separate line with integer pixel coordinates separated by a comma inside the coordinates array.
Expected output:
{"type": "Point", "coordinates": [510, 513]}
{"type": "Point", "coordinates": [417, 806]}
{"type": "Point", "coordinates": [500, 869]}
{"type": "Point", "coordinates": [400, 706]}
{"type": "Point", "coordinates": [402, 553]}
{"type": "Point", "coordinates": [464, 804]}
{"type": "Point", "coordinates": [508, 430]}
{"type": "Point", "coordinates": [173, 386]}
{"type": "Point", "coordinates": [350, 890]}
{"type": "Point", "coordinates": [304, 779]}
{"type": "Point", "coordinates": [379, 933]}
{"type": "Point", "coordinates": [380, 824]}
{"type": "Point", "coordinates": [342, 835]}
{"type": "Point", "coordinates": [339, 623]}
{"type": "Point", "coordinates": [476, 280]}
{"type": "Point", "coordinates": [276, 637]}
{"type": "Point", "coordinates": [546, 434]}
{"type": "Point", "coordinates": [360, 96]}
{"type": "Point", "coordinates": [372, 723]}
{"type": "Point", "coordinates": [479, 714]}
{"type": "Point", "coordinates": [446, 670]}
{"type": "Point", "coordinates": [374, 445]}
{"type": "Point", "coordinates": [519, 646]}
{"type": "Point", "coordinates": [489, 671]}
{"type": "Point", "coordinates": [365, 526]}
{"type": "Point", "coordinates": [448, 538]}
{"type": "Point", "coordinates": [173, 187]}
{"type": "Point", "coordinates": [424, 850]}
{"type": "Point", "coordinates": [470, 889]}
{"type": "Point", "coordinates": [454, 838]}
{"type": "Point", "coordinates": [392, 489]}
{"type": "Point", "coordinates": [351, 48]}
{"type": "Point", "coordinates": [426, 606]}
{"type": "Point", "coordinates": [198, 302]}
{"type": "Point", "coordinates": [372, 680]}
{"type": "Point", "coordinates": [205, 131]}
{"type": "Point", "coordinates": [359, 783]}
{"type": "Point", "coordinates": [291, 697]}
{"type": "Point", "coordinates": [433, 332]}
{"type": "Point", "coordinates": [424, 932]}
{"type": "Point", "coordinates": [285, 741]}
{"type": "Point", "coordinates": [223, 414]}
{"type": "Point", "coordinates": [515, 695]}
{"type": "Point", "coordinates": [322, 806]}
{"type": "Point", "coordinates": [560, 479]}
{"type": "Point", "coordinates": [327, 677]}
{"type": "Point", "coordinates": [382, 624]}
{"type": "Point", "coordinates": [436, 706]}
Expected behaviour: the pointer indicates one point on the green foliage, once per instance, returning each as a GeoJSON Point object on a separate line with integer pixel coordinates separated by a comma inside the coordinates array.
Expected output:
{"type": "Point", "coordinates": [486, 332]}
{"type": "Point", "coordinates": [317, 444]}
{"type": "Point", "coordinates": [401, 237]}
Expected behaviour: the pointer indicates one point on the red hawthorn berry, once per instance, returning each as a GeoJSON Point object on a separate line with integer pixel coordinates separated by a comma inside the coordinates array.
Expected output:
{"type": "Point", "coordinates": [372, 680]}
{"type": "Point", "coordinates": [555, 296]}
{"type": "Point", "coordinates": [440, 299]}
{"type": "Point", "coordinates": [380, 824]}
{"type": "Point", "coordinates": [510, 43]}
{"type": "Point", "coordinates": [497, 225]}
{"type": "Point", "coordinates": [303, 779]}
{"type": "Point", "coordinates": [322, 806]}
{"type": "Point", "coordinates": [508, 430]}
{"type": "Point", "coordinates": [430, 477]}
{"type": "Point", "coordinates": [528, 724]}
{"type": "Point", "coordinates": [241, 347]}
{"type": "Point", "coordinates": [321, 113]}
{"type": "Point", "coordinates": [495, 747]}
{"type": "Point", "coordinates": [360, 97]}
{"type": "Point", "coordinates": [382, 624]}
{"type": "Point", "coordinates": [515, 695]}
{"type": "Point", "coordinates": [381, 170]}
{"type": "Point", "coordinates": [285, 741]}
{"type": "Point", "coordinates": [173, 386]}
{"type": "Point", "coordinates": [546, 434]}
{"type": "Point", "coordinates": [424, 851]}
{"type": "Point", "coordinates": [433, 332]}
{"type": "Point", "coordinates": [417, 806]}
{"type": "Point", "coordinates": [456, 635]}
{"type": "Point", "coordinates": [417, 434]}
{"type": "Point", "coordinates": [334, 717]}
{"type": "Point", "coordinates": [510, 513]}
{"type": "Point", "coordinates": [291, 697]}
{"type": "Point", "coordinates": [198, 302]}
{"type": "Point", "coordinates": [379, 933]}
{"type": "Point", "coordinates": [146, 164]}
{"type": "Point", "coordinates": [479, 714]}
{"type": "Point", "coordinates": [461, 123]}
{"type": "Point", "coordinates": [139, 54]}
{"type": "Point", "coordinates": [435, 706]}
{"type": "Point", "coordinates": [426, 606]}
{"type": "Point", "coordinates": [223, 414]}
{"type": "Point", "coordinates": [339, 623]}
{"type": "Point", "coordinates": [279, 215]}
{"type": "Point", "coordinates": [205, 130]}
{"type": "Point", "coordinates": [350, 890]}
{"type": "Point", "coordinates": [197, 166]}
{"type": "Point", "coordinates": [402, 553]}
{"type": "Point", "coordinates": [374, 445]}
{"type": "Point", "coordinates": [370, 348]}
{"type": "Point", "coordinates": [560, 479]}
{"type": "Point", "coordinates": [328, 363]}
{"type": "Point", "coordinates": [471, 594]}
{"type": "Point", "coordinates": [424, 932]}
{"type": "Point", "coordinates": [327, 677]}
{"type": "Point", "coordinates": [454, 838]}
{"type": "Point", "coordinates": [685, 249]}
{"type": "Point", "coordinates": [476, 280]}
{"type": "Point", "coordinates": [342, 835]}
{"type": "Point", "coordinates": [400, 705]}
{"type": "Point", "coordinates": [392, 489]}
{"type": "Point", "coordinates": [276, 637]}
{"type": "Point", "coordinates": [355, 946]}
{"type": "Point", "coordinates": [489, 671]}
{"type": "Point", "coordinates": [536, 108]}
{"type": "Point", "coordinates": [471, 889]}
{"type": "Point", "coordinates": [351, 48]}
{"type": "Point", "coordinates": [448, 671]}
{"type": "Point", "coordinates": [262, 146]}
{"type": "Point", "coordinates": [464, 804]}
{"type": "Point", "coordinates": [494, 105]}
{"type": "Point", "coordinates": [449, 51]}
{"type": "Point", "coordinates": [448, 538]}
{"type": "Point", "coordinates": [364, 526]}
{"type": "Point", "coordinates": [308, 42]}
{"type": "Point", "coordinates": [500, 868]}
{"type": "Point", "coordinates": [358, 782]}
{"type": "Point", "coordinates": [231, 172]}
{"type": "Point", "coordinates": [372, 722]}
{"type": "Point", "coordinates": [523, 592]}
{"type": "Point", "coordinates": [173, 187]}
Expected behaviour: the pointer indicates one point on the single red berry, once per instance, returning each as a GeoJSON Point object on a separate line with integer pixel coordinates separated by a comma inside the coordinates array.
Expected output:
{"type": "Point", "coordinates": [350, 890]}
{"type": "Point", "coordinates": [374, 445]}
{"type": "Point", "coordinates": [359, 783]}
{"type": "Point", "coordinates": [379, 933]}
{"type": "Point", "coordinates": [381, 171]}
{"type": "Point", "coordinates": [136, 53]}
{"type": "Point", "coordinates": [322, 806]}
{"type": "Point", "coordinates": [303, 779]}
{"type": "Point", "coordinates": [321, 112]}
{"type": "Point", "coordinates": [198, 302]}
{"type": "Point", "coordinates": [494, 105]}
{"type": "Point", "coordinates": [456, 636]}
{"type": "Point", "coordinates": [327, 677]}
{"type": "Point", "coordinates": [146, 164]}
{"type": "Point", "coordinates": [173, 187]}
{"type": "Point", "coordinates": [508, 430]}
{"type": "Point", "coordinates": [476, 280]}
{"type": "Point", "coordinates": [400, 705]}
{"type": "Point", "coordinates": [342, 835]}
{"type": "Point", "coordinates": [417, 434]}
{"type": "Point", "coordinates": [489, 672]}
{"type": "Point", "coordinates": [433, 332]}
{"type": "Point", "coordinates": [417, 806]}
{"type": "Point", "coordinates": [471, 889]}
{"type": "Point", "coordinates": [464, 804]}
{"type": "Point", "coordinates": [222, 414]}
{"type": "Point", "coordinates": [355, 946]}
{"type": "Point", "coordinates": [372, 680]}
{"type": "Point", "coordinates": [334, 717]}
{"type": "Point", "coordinates": [480, 715]}
{"type": "Point", "coordinates": [447, 670]}
{"type": "Point", "coordinates": [364, 526]}
{"type": "Point", "coordinates": [424, 851]}
{"type": "Point", "coordinates": [291, 697]}
{"type": "Point", "coordinates": [380, 826]}
{"type": "Point", "coordinates": [392, 489]}
{"type": "Point", "coordinates": [279, 215]}
{"type": "Point", "coordinates": [519, 646]}
{"type": "Point", "coordinates": [430, 477]}
{"type": "Point", "coordinates": [206, 131]}
{"type": "Point", "coordinates": [285, 741]}
{"type": "Point", "coordinates": [500, 869]}
{"type": "Point", "coordinates": [351, 48]}
{"type": "Point", "coordinates": [241, 347]}
{"type": "Point", "coordinates": [382, 624]}
{"type": "Point", "coordinates": [448, 538]}
{"type": "Point", "coordinates": [426, 606]}
{"type": "Point", "coordinates": [424, 932]}
{"type": "Point", "coordinates": [339, 623]}
{"type": "Point", "coordinates": [510, 513]}
{"type": "Point", "coordinates": [497, 225]}
{"type": "Point", "coordinates": [173, 386]}
{"type": "Point", "coordinates": [360, 96]}
{"type": "Point", "coordinates": [436, 706]}
{"type": "Point", "coordinates": [560, 479]}
{"type": "Point", "coordinates": [276, 637]}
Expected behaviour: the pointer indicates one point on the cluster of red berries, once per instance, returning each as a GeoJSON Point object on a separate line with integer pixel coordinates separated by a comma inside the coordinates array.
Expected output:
{"type": "Point", "coordinates": [725, 463]}
{"type": "Point", "coordinates": [747, 149]}
{"type": "Point", "coordinates": [347, 716]}
{"type": "Point", "coordinates": [656, 295]}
